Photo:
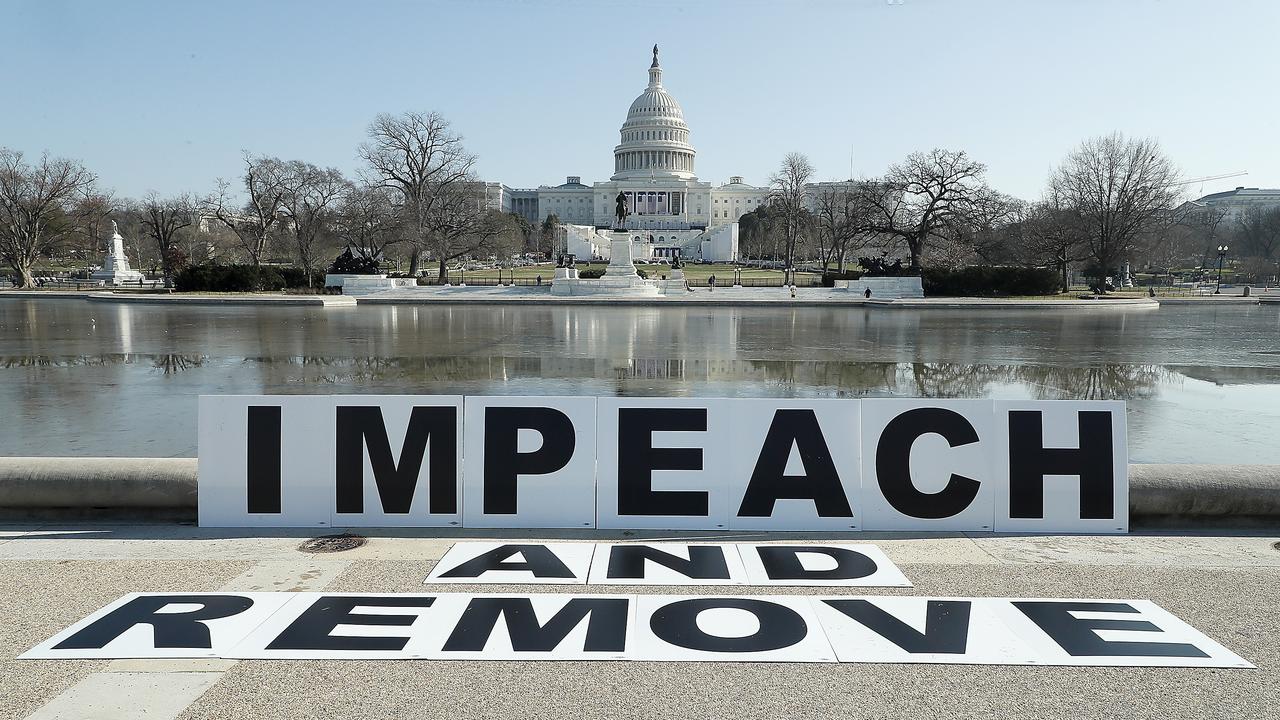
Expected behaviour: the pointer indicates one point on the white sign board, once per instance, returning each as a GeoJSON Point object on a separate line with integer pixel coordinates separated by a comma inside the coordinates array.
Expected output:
{"type": "Point", "coordinates": [785, 628]}
{"type": "Point", "coordinates": [663, 463]}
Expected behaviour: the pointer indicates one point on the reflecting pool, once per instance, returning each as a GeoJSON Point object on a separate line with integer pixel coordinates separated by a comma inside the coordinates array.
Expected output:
{"type": "Point", "coordinates": [81, 378]}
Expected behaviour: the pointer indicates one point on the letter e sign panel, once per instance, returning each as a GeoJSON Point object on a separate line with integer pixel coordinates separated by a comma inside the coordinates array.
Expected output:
{"type": "Point", "coordinates": [662, 463]}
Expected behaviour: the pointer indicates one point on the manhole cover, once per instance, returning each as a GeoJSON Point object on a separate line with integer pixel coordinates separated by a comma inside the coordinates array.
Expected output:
{"type": "Point", "coordinates": [332, 543]}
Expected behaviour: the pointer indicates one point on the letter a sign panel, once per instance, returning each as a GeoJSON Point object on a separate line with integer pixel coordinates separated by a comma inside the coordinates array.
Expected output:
{"type": "Point", "coordinates": [663, 463]}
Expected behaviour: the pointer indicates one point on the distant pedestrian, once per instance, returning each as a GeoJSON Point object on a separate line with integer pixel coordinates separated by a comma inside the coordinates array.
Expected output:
{"type": "Point", "coordinates": [793, 292]}
{"type": "Point", "coordinates": [539, 280]}
{"type": "Point", "coordinates": [711, 283]}
{"type": "Point", "coordinates": [867, 294]}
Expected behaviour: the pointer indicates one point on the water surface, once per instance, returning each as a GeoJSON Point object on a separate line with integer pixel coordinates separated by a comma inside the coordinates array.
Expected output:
{"type": "Point", "coordinates": [86, 379]}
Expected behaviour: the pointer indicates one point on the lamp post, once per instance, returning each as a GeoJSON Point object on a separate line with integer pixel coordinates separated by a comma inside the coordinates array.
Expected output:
{"type": "Point", "coordinates": [1222, 253]}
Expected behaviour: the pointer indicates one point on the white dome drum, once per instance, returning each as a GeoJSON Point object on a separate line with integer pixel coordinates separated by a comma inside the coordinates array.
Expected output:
{"type": "Point", "coordinates": [654, 138]}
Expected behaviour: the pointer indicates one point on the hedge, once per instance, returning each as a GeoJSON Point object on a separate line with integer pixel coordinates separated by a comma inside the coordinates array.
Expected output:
{"type": "Point", "coordinates": [596, 273]}
{"type": "Point", "coordinates": [990, 281]}
{"type": "Point", "coordinates": [829, 278]}
{"type": "Point", "coordinates": [241, 278]}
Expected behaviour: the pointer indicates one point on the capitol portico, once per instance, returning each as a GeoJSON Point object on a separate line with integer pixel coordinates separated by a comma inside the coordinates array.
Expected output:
{"type": "Point", "coordinates": [671, 212]}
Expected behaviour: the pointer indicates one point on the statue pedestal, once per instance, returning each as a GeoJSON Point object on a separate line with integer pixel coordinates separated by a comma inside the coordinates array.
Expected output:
{"type": "Point", "coordinates": [620, 276]}
{"type": "Point", "coordinates": [115, 269]}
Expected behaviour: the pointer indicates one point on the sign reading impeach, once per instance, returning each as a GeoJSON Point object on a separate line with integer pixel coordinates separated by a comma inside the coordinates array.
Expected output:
{"type": "Point", "coordinates": [663, 463]}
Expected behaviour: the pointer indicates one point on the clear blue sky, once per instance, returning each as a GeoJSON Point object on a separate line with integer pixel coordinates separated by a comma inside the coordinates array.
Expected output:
{"type": "Point", "coordinates": [164, 95]}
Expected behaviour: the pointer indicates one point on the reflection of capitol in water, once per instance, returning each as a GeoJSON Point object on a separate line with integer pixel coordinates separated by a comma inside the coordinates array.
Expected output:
{"type": "Point", "coordinates": [90, 378]}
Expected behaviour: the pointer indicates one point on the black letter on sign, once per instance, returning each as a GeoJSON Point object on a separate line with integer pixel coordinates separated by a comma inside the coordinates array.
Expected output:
{"type": "Point", "coordinates": [946, 625]}
{"type": "Point", "coordinates": [310, 631]}
{"type": "Point", "coordinates": [1030, 461]}
{"type": "Point", "coordinates": [606, 626]}
{"type": "Point", "coordinates": [358, 427]}
{"type": "Point", "coordinates": [782, 562]}
{"type": "Point", "coordinates": [1077, 636]}
{"type": "Point", "coordinates": [820, 482]}
{"type": "Point", "coordinates": [677, 623]}
{"type": "Point", "coordinates": [538, 559]}
{"type": "Point", "coordinates": [704, 563]}
{"type": "Point", "coordinates": [638, 458]}
{"type": "Point", "coordinates": [263, 458]}
{"type": "Point", "coordinates": [171, 630]}
{"type": "Point", "coordinates": [502, 459]}
{"type": "Point", "coordinates": [893, 463]}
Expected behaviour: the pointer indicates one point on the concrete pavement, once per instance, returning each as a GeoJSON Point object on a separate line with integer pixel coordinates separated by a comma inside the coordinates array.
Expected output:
{"type": "Point", "coordinates": [1226, 585]}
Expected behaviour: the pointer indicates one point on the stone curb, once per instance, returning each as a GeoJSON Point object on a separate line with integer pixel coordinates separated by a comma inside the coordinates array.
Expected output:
{"type": "Point", "coordinates": [167, 487]}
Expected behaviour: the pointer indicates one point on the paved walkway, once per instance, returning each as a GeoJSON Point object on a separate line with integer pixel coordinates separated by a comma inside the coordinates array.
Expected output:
{"type": "Point", "coordinates": [1227, 586]}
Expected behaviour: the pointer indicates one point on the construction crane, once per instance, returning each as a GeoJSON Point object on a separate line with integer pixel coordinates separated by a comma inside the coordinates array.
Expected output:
{"type": "Point", "coordinates": [1208, 178]}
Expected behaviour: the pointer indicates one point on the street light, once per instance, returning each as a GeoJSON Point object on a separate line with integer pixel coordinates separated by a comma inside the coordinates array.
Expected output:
{"type": "Point", "coordinates": [1222, 253]}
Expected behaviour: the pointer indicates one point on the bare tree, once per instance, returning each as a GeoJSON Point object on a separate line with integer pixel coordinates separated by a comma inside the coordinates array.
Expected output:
{"type": "Point", "coordinates": [418, 155]}
{"type": "Point", "coordinates": [547, 234]}
{"type": "Point", "coordinates": [34, 201]}
{"type": "Point", "coordinates": [311, 196]}
{"type": "Point", "coordinates": [1123, 189]}
{"type": "Point", "coordinates": [1194, 231]}
{"type": "Point", "coordinates": [164, 219]}
{"type": "Point", "coordinates": [462, 226]}
{"type": "Point", "coordinates": [929, 196]}
{"type": "Point", "coordinates": [1053, 235]}
{"type": "Point", "coordinates": [369, 220]}
{"type": "Point", "coordinates": [843, 220]}
{"type": "Point", "coordinates": [1258, 231]}
{"type": "Point", "coordinates": [264, 186]}
{"type": "Point", "coordinates": [787, 197]}
{"type": "Point", "coordinates": [89, 218]}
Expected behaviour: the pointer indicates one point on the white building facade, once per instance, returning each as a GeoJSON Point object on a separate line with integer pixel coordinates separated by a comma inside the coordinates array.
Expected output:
{"type": "Point", "coordinates": [1236, 202]}
{"type": "Point", "coordinates": [671, 212]}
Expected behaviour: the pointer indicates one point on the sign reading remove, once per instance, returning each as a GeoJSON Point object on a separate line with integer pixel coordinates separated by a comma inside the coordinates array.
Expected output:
{"type": "Point", "coordinates": [989, 631]}
{"type": "Point", "coordinates": [663, 463]}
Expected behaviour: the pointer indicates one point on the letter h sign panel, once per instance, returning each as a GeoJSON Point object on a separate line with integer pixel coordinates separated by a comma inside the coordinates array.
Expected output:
{"type": "Point", "coordinates": [1063, 466]}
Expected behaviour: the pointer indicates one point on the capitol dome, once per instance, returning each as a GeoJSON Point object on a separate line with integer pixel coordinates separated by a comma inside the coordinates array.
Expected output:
{"type": "Point", "coordinates": [654, 138]}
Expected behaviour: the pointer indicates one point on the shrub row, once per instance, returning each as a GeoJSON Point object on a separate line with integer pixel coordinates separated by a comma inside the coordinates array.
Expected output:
{"type": "Point", "coordinates": [990, 281]}
{"type": "Point", "coordinates": [829, 277]}
{"type": "Point", "coordinates": [242, 278]}
{"type": "Point", "coordinates": [593, 273]}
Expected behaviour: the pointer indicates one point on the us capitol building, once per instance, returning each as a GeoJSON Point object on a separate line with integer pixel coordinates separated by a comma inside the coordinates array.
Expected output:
{"type": "Point", "coordinates": [672, 213]}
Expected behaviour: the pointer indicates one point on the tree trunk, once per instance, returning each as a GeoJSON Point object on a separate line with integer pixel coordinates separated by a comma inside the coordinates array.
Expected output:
{"type": "Point", "coordinates": [1066, 286]}
{"type": "Point", "coordinates": [27, 280]}
{"type": "Point", "coordinates": [415, 260]}
{"type": "Point", "coordinates": [914, 246]}
{"type": "Point", "coordinates": [441, 276]}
